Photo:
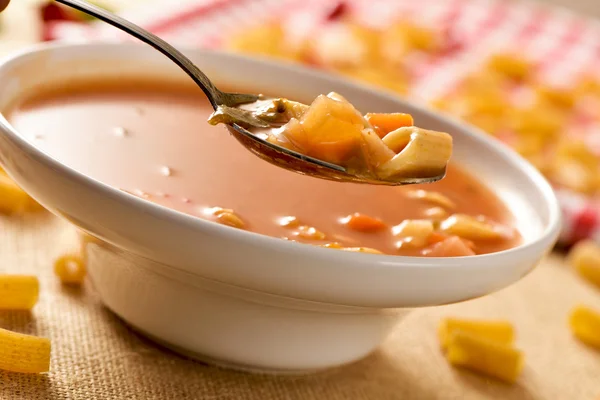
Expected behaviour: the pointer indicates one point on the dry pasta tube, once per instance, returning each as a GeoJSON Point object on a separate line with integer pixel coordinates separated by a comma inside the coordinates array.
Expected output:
{"type": "Point", "coordinates": [585, 258]}
{"type": "Point", "coordinates": [24, 353]}
{"type": "Point", "coordinates": [12, 198]}
{"type": "Point", "coordinates": [585, 325]}
{"type": "Point", "coordinates": [18, 292]}
{"type": "Point", "coordinates": [501, 332]}
{"type": "Point", "coordinates": [484, 356]}
{"type": "Point", "coordinates": [70, 268]}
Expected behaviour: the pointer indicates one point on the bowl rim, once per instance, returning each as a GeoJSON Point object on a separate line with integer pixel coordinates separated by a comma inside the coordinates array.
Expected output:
{"type": "Point", "coordinates": [375, 263]}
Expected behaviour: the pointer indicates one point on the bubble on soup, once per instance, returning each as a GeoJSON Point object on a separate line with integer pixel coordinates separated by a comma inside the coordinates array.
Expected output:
{"type": "Point", "coordinates": [288, 221]}
{"type": "Point", "coordinates": [310, 233]}
{"type": "Point", "coordinates": [166, 171]}
{"type": "Point", "coordinates": [141, 193]}
{"type": "Point", "coordinates": [119, 131]}
{"type": "Point", "coordinates": [436, 213]}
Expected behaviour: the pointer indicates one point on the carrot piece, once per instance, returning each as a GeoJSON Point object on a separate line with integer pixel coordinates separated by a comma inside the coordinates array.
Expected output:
{"type": "Point", "coordinates": [450, 247]}
{"type": "Point", "coordinates": [436, 237]}
{"type": "Point", "coordinates": [386, 123]}
{"type": "Point", "coordinates": [363, 223]}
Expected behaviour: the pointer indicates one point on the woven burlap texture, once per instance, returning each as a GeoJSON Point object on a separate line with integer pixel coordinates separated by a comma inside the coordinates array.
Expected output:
{"type": "Point", "coordinates": [96, 356]}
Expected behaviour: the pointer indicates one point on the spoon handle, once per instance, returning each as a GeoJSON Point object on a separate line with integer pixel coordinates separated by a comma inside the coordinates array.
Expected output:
{"type": "Point", "coordinates": [215, 96]}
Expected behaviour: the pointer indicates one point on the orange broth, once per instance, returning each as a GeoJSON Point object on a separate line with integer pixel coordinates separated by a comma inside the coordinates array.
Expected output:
{"type": "Point", "coordinates": [153, 141]}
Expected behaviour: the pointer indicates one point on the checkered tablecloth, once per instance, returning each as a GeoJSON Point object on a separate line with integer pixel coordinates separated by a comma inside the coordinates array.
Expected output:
{"type": "Point", "coordinates": [562, 43]}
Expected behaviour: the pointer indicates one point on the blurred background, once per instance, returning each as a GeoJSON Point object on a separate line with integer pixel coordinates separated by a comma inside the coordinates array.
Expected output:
{"type": "Point", "coordinates": [590, 7]}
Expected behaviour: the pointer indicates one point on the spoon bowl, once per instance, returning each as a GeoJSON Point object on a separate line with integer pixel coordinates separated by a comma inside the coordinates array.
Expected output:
{"type": "Point", "coordinates": [277, 155]}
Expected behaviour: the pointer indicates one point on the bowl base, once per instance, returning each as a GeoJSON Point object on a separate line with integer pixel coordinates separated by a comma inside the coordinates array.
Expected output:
{"type": "Point", "coordinates": [223, 363]}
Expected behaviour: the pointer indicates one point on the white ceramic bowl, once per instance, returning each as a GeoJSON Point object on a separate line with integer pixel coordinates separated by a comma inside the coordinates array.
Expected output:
{"type": "Point", "coordinates": [242, 299]}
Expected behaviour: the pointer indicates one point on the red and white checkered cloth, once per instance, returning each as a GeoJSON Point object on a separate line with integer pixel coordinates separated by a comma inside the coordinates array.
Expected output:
{"type": "Point", "coordinates": [563, 43]}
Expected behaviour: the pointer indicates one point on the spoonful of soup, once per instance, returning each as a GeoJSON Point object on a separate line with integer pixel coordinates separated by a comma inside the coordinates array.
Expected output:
{"type": "Point", "coordinates": [328, 139]}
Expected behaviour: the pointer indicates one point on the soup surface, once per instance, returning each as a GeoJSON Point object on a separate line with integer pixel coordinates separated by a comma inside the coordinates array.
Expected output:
{"type": "Point", "coordinates": [154, 142]}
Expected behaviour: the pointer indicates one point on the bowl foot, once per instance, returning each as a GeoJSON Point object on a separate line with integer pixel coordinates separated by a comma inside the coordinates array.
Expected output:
{"type": "Point", "coordinates": [224, 363]}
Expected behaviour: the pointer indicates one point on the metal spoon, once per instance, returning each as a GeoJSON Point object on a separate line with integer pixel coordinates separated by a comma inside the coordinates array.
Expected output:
{"type": "Point", "coordinates": [270, 152]}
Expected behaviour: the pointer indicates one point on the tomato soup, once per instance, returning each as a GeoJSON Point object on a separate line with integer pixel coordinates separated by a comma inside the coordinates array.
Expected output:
{"type": "Point", "coordinates": [153, 141]}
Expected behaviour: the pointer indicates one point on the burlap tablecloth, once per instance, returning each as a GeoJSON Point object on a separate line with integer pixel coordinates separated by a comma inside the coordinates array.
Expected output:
{"type": "Point", "coordinates": [96, 356]}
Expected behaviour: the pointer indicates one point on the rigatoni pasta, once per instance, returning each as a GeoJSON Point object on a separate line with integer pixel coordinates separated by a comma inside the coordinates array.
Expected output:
{"type": "Point", "coordinates": [482, 346]}
{"type": "Point", "coordinates": [585, 325]}
{"type": "Point", "coordinates": [24, 353]}
{"type": "Point", "coordinates": [501, 332]}
{"type": "Point", "coordinates": [13, 199]}
{"type": "Point", "coordinates": [19, 352]}
{"type": "Point", "coordinates": [485, 356]}
{"type": "Point", "coordinates": [584, 257]}
{"type": "Point", "coordinates": [18, 292]}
